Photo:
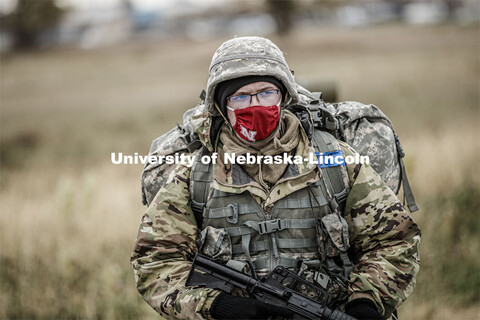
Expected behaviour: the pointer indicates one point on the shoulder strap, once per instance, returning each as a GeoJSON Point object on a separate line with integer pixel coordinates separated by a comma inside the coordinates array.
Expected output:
{"type": "Point", "coordinates": [201, 177]}
{"type": "Point", "coordinates": [333, 176]}
{"type": "Point", "coordinates": [407, 190]}
{"type": "Point", "coordinates": [338, 189]}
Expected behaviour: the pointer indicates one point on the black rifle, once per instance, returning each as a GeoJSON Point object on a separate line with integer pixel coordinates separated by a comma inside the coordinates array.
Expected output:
{"type": "Point", "coordinates": [278, 288]}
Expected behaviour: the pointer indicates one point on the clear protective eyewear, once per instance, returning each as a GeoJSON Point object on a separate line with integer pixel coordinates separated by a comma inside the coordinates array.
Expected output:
{"type": "Point", "coordinates": [269, 97]}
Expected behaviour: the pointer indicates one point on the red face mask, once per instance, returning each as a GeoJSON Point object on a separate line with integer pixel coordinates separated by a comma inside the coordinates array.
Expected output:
{"type": "Point", "coordinates": [256, 123]}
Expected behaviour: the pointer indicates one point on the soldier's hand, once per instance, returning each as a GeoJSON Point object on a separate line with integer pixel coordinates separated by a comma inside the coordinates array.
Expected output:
{"type": "Point", "coordinates": [226, 306]}
{"type": "Point", "coordinates": [363, 309]}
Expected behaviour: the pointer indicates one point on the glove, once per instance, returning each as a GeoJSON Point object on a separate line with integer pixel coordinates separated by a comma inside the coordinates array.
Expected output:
{"type": "Point", "coordinates": [363, 309]}
{"type": "Point", "coordinates": [226, 306]}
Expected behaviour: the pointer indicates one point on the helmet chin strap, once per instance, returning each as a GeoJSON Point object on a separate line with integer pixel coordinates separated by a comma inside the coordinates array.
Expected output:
{"type": "Point", "coordinates": [223, 116]}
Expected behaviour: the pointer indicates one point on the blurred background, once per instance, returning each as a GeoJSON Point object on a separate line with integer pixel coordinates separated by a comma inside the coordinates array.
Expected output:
{"type": "Point", "coordinates": [80, 79]}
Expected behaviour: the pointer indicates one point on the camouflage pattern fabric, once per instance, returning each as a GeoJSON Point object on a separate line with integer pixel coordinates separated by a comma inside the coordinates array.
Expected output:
{"type": "Point", "coordinates": [366, 127]}
{"type": "Point", "coordinates": [165, 247]}
{"type": "Point", "coordinates": [215, 243]}
{"type": "Point", "coordinates": [155, 175]}
{"type": "Point", "coordinates": [334, 228]}
{"type": "Point", "coordinates": [383, 237]}
{"type": "Point", "coordinates": [368, 130]}
{"type": "Point", "coordinates": [248, 56]}
{"type": "Point", "coordinates": [384, 242]}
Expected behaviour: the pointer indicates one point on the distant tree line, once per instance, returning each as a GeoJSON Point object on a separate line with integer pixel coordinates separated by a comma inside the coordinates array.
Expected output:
{"type": "Point", "coordinates": [29, 20]}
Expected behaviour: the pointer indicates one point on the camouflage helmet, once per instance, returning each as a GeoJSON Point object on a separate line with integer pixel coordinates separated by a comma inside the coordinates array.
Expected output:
{"type": "Point", "coordinates": [248, 56]}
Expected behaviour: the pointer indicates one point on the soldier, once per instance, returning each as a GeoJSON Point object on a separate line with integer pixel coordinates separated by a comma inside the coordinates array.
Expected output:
{"type": "Point", "coordinates": [361, 245]}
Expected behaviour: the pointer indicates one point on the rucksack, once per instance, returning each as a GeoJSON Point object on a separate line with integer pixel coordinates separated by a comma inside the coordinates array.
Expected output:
{"type": "Point", "coordinates": [370, 132]}
{"type": "Point", "coordinates": [180, 139]}
{"type": "Point", "coordinates": [364, 127]}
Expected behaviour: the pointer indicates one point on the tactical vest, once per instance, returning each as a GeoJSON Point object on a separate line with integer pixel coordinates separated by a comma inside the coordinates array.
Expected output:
{"type": "Point", "coordinates": [304, 231]}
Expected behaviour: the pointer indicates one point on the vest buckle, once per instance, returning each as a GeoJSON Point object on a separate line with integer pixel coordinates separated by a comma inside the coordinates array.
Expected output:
{"type": "Point", "coordinates": [269, 226]}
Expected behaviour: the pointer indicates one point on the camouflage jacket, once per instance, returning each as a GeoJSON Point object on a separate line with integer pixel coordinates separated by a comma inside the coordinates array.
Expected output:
{"type": "Point", "coordinates": [384, 239]}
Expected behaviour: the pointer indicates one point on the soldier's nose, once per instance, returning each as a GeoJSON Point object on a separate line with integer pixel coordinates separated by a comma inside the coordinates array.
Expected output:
{"type": "Point", "coordinates": [254, 102]}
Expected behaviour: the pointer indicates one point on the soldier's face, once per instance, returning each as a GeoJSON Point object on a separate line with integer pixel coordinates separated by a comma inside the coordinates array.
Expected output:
{"type": "Point", "coordinates": [249, 89]}
{"type": "Point", "coordinates": [256, 126]}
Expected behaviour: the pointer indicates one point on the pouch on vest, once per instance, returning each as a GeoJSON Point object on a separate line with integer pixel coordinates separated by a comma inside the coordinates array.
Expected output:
{"type": "Point", "coordinates": [337, 240]}
{"type": "Point", "coordinates": [215, 243]}
{"type": "Point", "coordinates": [333, 244]}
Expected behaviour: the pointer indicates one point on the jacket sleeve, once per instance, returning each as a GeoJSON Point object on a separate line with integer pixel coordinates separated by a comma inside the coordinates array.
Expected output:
{"type": "Point", "coordinates": [384, 240]}
{"type": "Point", "coordinates": [164, 251]}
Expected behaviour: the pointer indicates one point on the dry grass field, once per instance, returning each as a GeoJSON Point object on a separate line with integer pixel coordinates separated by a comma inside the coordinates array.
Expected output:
{"type": "Point", "coordinates": [69, 217]}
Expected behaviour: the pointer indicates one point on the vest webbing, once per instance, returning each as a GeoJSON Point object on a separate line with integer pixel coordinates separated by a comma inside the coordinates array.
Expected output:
{"type": "Point", "coordinates": [265, 240]}
{"type": "Point", "coordinates": [202, 175]}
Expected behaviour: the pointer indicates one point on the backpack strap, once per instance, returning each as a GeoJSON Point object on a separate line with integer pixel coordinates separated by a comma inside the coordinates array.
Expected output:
{"type": "Point", "coordinates": [333, 176]}
{"type": "Point", "coordinates": [201, 177]}
{"type": "Point", "coordinates": [407, 190]}
{"type": "Point", "coordinates": [323, 118]}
